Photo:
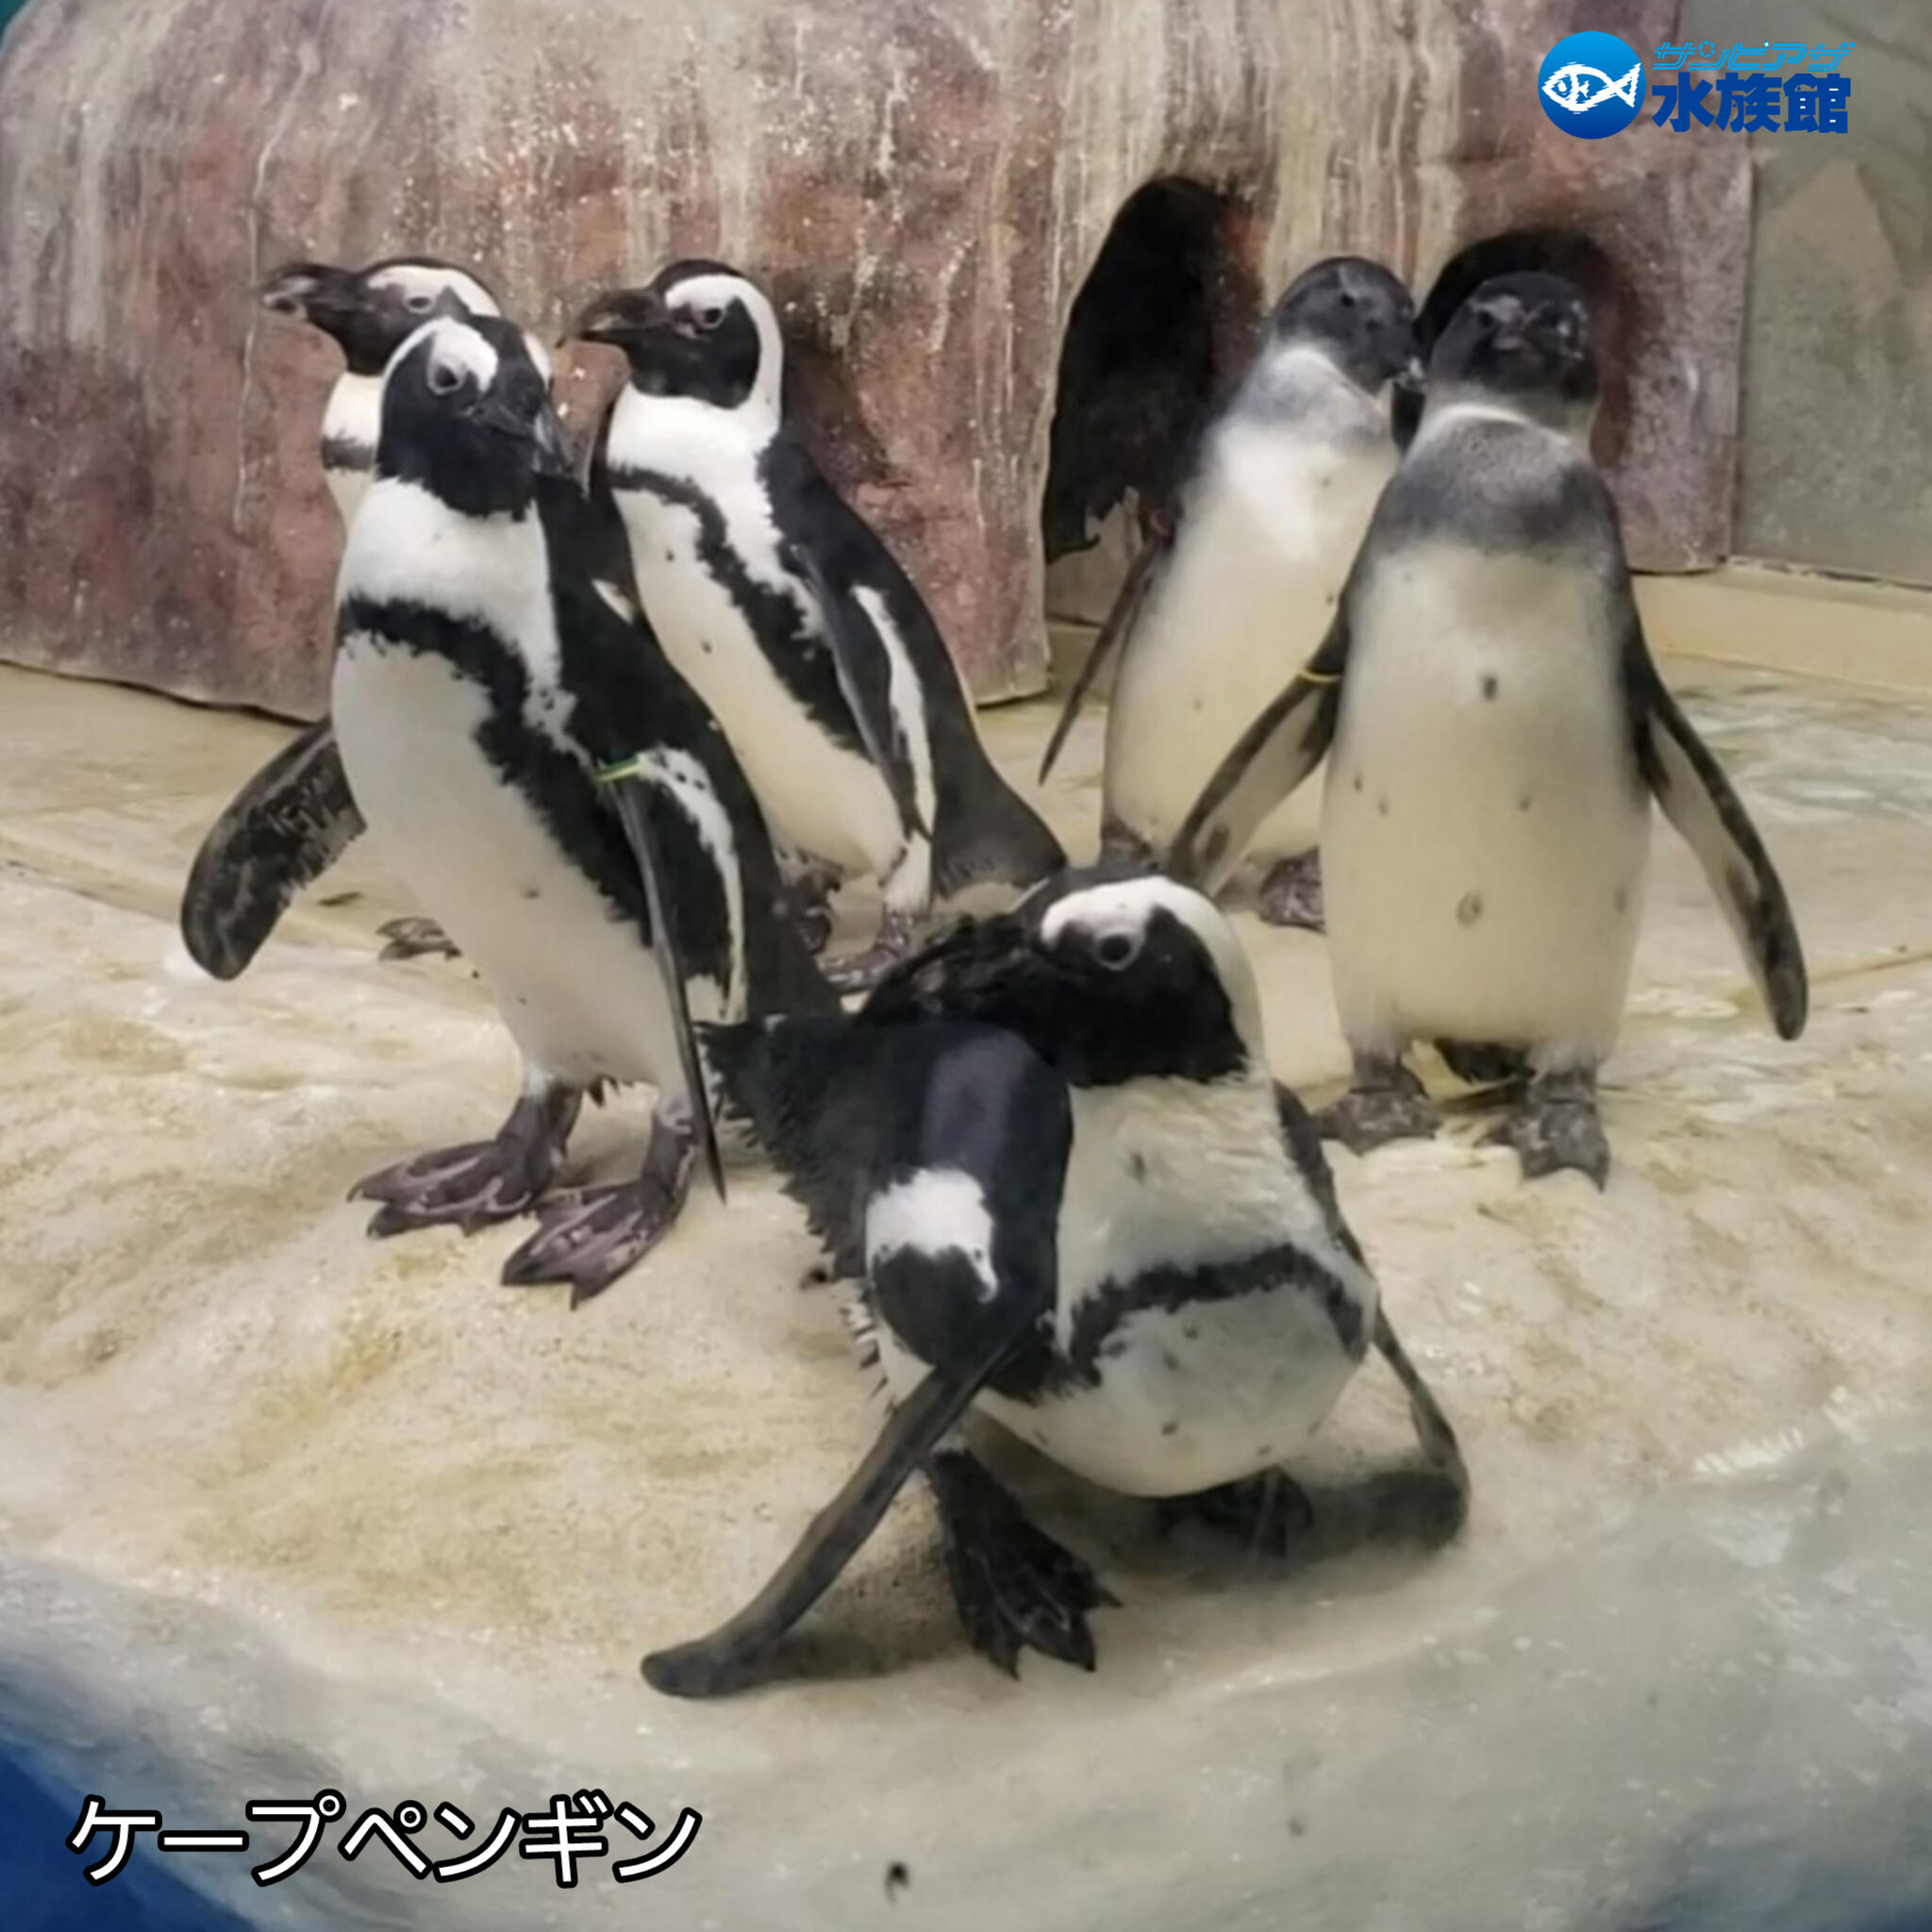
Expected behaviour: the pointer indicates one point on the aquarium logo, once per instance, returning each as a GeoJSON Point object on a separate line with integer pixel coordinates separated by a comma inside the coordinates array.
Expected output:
{"type": "Point", "coordinates": [1592, 85]}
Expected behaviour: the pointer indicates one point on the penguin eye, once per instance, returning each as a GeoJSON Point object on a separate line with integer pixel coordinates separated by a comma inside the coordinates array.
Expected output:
{"type": "Point", "coordinates": [709, 319]}
{"type": "Point", "coordinates": [1117, 950]}
{"type": "Point", "coordinates": [419, 305]}
{"type": "Point", "coordinates": [445, 378]}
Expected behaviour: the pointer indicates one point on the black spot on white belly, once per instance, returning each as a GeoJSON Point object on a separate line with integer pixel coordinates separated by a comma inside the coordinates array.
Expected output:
{"type": "Point", "coordinates": [1469, 909]}
{"type": "Point", "coordinates": [533, 891]}
{"type": "Point", "coordinates": [1136, 1166]}
{"type": "Point", "coordinates": [1170, 1428]}
{"type": "Point", "coordinates": [1169, 1361]}
{"type": "Point", "coordinates": [1622, 898]}
{"type": "Point", "coordinates": [1489, 686]}
{"type": "Point", "coordinates": [1191, 1331]}
{"type": "Point", "coordinates": [1357, 781]}
{"type": "Point", "coordinates": [1382, 805]}
{"type": "Point", "coordinates": [1523, 802]}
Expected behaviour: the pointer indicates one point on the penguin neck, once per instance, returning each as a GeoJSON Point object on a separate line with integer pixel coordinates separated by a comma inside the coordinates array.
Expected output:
{"type": "Point", "coordinates": [681, 435]}
{"type": "Point", "coordinates": [351, 424]}
{"type": "Point", "coordinates": [408, 546]}
{"type": "Point", "coordinates": [1457, 403]}
{"type": "Point", "coordinates": [1294, 379]}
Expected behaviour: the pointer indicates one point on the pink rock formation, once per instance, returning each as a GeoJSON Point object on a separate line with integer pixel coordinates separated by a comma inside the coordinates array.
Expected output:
{"type": "Point", "coordinates": [924, 184]}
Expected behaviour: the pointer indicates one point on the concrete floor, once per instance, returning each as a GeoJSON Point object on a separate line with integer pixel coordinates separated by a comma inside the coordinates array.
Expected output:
{"type": "Point", "coordinates": [282, 1507]}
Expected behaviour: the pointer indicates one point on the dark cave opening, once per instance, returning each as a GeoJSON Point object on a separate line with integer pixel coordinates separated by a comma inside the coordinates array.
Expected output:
{"type": "Point", "coordinates": [1165, 310]}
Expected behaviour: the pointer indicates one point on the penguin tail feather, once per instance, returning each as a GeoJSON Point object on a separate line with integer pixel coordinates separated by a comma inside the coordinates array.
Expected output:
{"type": "Point", "coordinates": [1000, 838]}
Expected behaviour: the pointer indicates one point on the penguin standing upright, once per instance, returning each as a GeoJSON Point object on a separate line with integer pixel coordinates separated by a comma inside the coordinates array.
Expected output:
{"type": "Point", "coordinates": [1495, 731]}
{"type": "Point", "coordinates": [483, 676]}
{"type": "Point", "coordinates": [1268, 519]}
{"type": "Point", "coordinates": [790, 618]}
{"type": "Point", "coordinates": [296, 818]}
{"type": "Point", "coordinates": [1051, 1145]}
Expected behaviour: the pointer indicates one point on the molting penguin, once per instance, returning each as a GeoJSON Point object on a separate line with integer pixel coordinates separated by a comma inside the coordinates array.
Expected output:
{"type": "Point", "coordinates": [1051, 1145]}
{"type": "Point", "coordinates": [1495, 731]}
{"type": "Point", "coordinates": [483, 678]}
{"type": "Point", "coordinates": [296, 818]}
{"type": "Point", "coordinates": [1213, 621]}
{"type": "Point", "coordinates": [790, 618]}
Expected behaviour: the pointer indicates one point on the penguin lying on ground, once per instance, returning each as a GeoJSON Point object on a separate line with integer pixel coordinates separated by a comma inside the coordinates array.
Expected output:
{"type": "Point", "coordinates": [1213, 621]}
{"type": "Point", "coordinates": [790, 618]}
{"type": "Point", "coordinates": [484, 671]}
{"type": "Point", "coordinates": [294, 817]}
{"type": "Point", "coordinates": [1051, 1146]}
{"type": "Point", "coordinates": [1495, 730]}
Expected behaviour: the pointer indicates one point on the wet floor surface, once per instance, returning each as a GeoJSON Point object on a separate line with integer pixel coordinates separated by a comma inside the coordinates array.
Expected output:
{"type": "Point", "coordinates": [281, 1506]}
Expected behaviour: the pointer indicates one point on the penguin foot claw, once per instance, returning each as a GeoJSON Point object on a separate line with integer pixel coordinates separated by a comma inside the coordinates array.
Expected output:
{"type": "Point", "coordinates": [1386, 1103]}
{"type": "Point", "coordinates": [1269, 1514]}
{"type": "Point", "coordinates": [412, 938]}
{"type": "Point", "coordinates": [1291, 893]}
{"type": "Point", "coordinates": [862, 971]}
{"type": "Point", "coordinates": [479, 1182]}
{"type": "Point", "coordinates": [1557, 1126]}
{"type": "Point", "coordinates": [1012, 1584]}
{"type": "Point", "coordinates": [589, 1236]}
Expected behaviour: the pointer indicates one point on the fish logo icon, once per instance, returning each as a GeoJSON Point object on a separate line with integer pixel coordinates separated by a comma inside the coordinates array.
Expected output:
{"type": "Point", "coordinates": [1592, 85]}
{"type": "Point", "coordinates": [1579, 89]}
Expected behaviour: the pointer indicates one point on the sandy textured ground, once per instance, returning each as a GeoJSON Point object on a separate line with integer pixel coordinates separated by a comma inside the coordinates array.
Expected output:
{"type": "Point", "coordinates": [282, 1506]}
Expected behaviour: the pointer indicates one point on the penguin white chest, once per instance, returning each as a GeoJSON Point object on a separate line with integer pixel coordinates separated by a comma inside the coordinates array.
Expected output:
{"type": "Point", "coordinates": [569, 973]}
{"type": "Point", "coordinates": [1487, 830]}
{"type": "Point", "coordinates": [820, 797]}
{"type": "Point", "coordinates": [1210, 1320]}
{"type": "Point", "coordinates": [1267, 538]}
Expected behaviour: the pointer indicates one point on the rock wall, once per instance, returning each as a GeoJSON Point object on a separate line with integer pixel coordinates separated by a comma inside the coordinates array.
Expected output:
{"type": "Point", "coordinates": [924, 183]}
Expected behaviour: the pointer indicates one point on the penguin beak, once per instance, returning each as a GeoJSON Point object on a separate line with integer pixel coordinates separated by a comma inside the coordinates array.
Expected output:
{"type": "Point", "coordinates": [312, 292]}
{"type": "Point", "coordinates": [529, 420]}
{"type": "Point", "coordinates": [617, 317]}
{"type": "Point", "coordinates": [551, 445]}
{"type": "Point", "coordinates": [1412, 379]}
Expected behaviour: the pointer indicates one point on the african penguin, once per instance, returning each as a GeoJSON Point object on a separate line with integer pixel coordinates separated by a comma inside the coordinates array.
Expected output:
{"type": "Point", "coordinates": [789, 615]}
{"type": "Point", "coordinates": [1268, 521]}
{"type": "Point", "coordinates": [1079, 1203]}
{"type": "Point", "coordinates": [482, 679]}
{"type": "Point", "coordinates": [1495, 731]}
{"type": "Point", "coordinates": [291, 820]}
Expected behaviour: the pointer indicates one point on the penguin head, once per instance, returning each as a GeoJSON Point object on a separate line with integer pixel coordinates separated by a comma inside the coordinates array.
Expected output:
{"type": "Point", "coordinates": [466, 412]}
{"type": "Point", "coordinates": [371, 312]}
{"type": "Point", "coordinates": [1107, 973]}
{"type": "Point", "coordinates": [1357, 314]}
{"type": "Point", "coordinates": [699, 330]}
{"type": "Point", "coordinates": [1523, 341]}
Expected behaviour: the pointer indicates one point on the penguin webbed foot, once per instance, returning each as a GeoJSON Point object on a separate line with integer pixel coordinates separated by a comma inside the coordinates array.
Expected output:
{"type": "Point", "coordinates": [1385, 1103]}
{"type": "Point", "coordinates": [1012, 1584]}
{"type": "Point", "coordinates": [414, 939]}
{"type": "Point", "coordinates": [1291, 893]}
{"type": "Point", "coordinates": [1557, 1125]}
{"type": "Point", "coordinates": [480, 1181]}
{"type": "Point", "coordinates": [1269, 1514]}
{"type": "Point", "coordinates": [862, 971]}
{"type": "Point", "coordinates": [589, 1236]}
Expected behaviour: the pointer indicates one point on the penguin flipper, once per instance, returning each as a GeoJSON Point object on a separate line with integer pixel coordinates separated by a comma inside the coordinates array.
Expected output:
{"type": "Point", "coordinates": [729, 1656]}
{"type": "Point", "coordinates": [1698, 800]}
{"type": "Point", "coordinates": [1120, 623]}
{"type": "Point", "coordinates": [864, 666]}
{"type": "Point", "coordinates": [279, 833]}
{"type": "Point", "coordinates": [961, 1225]}
{"type": "Point", "coordinates": [634, 804]}
{"type": "Point", "coordinates": [1272, 756]}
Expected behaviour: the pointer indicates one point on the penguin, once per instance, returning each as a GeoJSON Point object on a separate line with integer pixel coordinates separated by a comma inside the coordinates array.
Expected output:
{"type": "Point", "coordinates": [291, 820]}
{"type": "Point", "coordinates": [1079, 1203]}
{"type": "Point", "coordinates": [1495, 730]}
{"type": "Point", "coordinates": [484, 676]}
{"type": "Point", "coordinates": [1238, 588]}
{"type": "Point", "coordinates": [790, 618]}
